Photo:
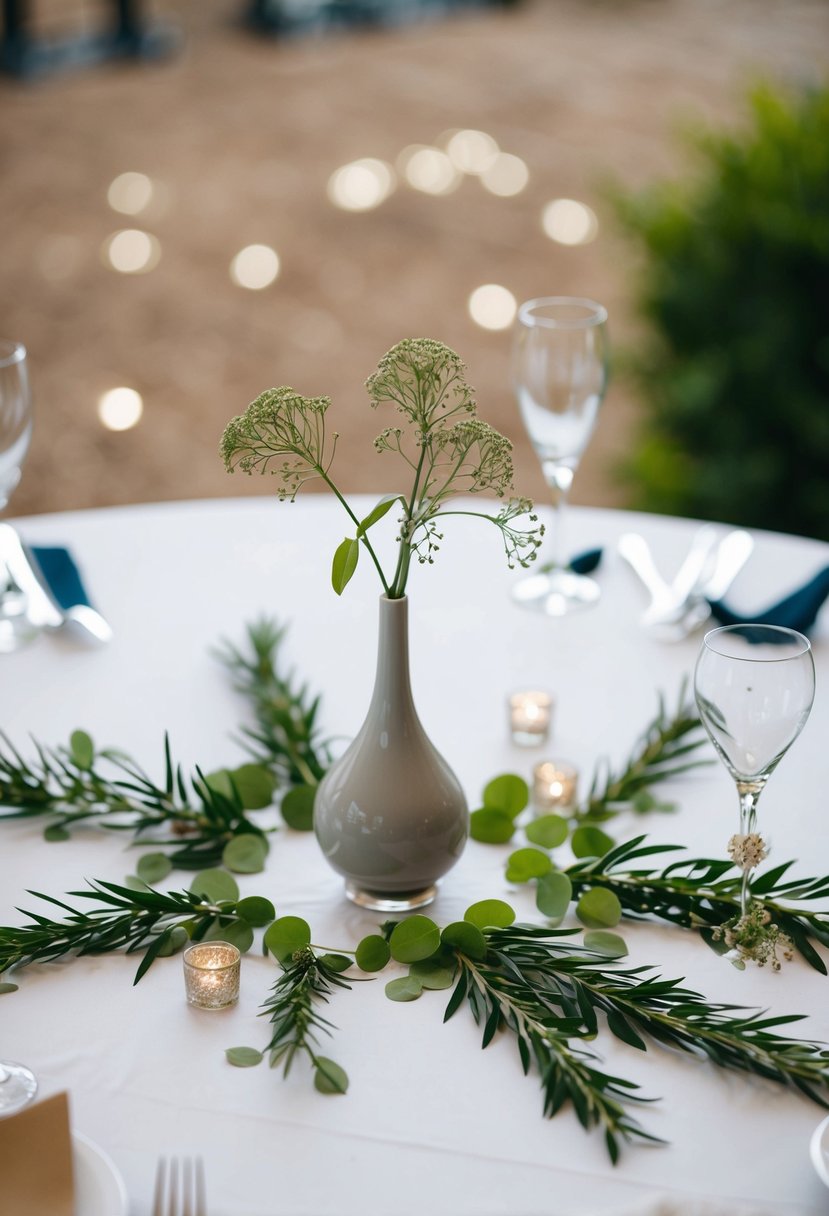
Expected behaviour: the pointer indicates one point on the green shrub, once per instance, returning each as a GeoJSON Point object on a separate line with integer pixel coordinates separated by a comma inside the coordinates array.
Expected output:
{"type": "Point", "coordinates": [735, 288]}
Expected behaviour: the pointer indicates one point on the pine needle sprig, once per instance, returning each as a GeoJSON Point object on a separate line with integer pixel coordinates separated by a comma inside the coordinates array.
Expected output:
{"type": "Point", "coordinates": [120, 919]}
{"type": "Point", "coordinates": [504, 993]}
{"type": "Point", "coordinates": [703, 893]}
{"type": "Point", "coordinates": [286, 737]}
{"type": "Point", "coordinates": [664, 751]}
{"type": "Point", "coordinates": [297, 1024]}
{"type": "Point", "coordinates": [639, 1004]}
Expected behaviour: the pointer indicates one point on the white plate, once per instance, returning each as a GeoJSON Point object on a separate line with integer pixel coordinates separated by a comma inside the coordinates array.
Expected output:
{"type": "Point", "coordinates": [99, 1188]}
{"type": "Point", "coordinates": [819, 1149]}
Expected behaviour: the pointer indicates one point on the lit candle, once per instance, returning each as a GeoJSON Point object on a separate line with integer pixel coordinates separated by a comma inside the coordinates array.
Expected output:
{"type": "Point", "coordinates": [530, 715]}
{"type": "Point", "coordinates": [211, 975]}
{"type": "Point", "coordinates": [554, 786]}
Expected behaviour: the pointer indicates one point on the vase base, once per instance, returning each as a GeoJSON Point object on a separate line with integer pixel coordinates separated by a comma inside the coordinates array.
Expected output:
{"type": "Point", "coordinates": [390, 901]}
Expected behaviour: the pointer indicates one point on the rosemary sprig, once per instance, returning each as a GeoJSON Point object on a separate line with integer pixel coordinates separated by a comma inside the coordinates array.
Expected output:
{"type": "Point", "coordinates": [663, 751]}
{"type": "Point", "coordinates": [155, 922]}
{"type": "Point", "coordinates": [286, 737]}
{"type": "Point", "coordinates": [70, 786]}
{"type": "Point", "coordinates": [297, 1023]}
{"type": "Point", "coordinates": [703, 894]}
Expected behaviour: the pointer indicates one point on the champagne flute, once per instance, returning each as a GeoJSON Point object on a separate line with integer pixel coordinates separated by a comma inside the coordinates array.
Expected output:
{"type": "Point", "coordinates": [559, 373]}
{"type": "Point", "coordinates": [15, 435]}
{"type": "Point", "coordinates": [754, 687]}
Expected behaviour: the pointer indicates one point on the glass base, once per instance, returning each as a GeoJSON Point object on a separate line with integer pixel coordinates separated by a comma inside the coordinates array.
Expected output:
{"type": "Point", "coordinates": [18, 1085]}
{"type": "Point", "coordinates": [390, 901]}
{"type": "Point", "coordinates": [556, 593]}
{"type": "Point", "coordinates": [16, 630]}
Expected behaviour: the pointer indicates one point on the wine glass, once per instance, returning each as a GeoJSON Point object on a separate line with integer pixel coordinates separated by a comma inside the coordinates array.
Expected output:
{"type": "Point", "coordinates": [18, 1085]}
{"type": "Point", "coordinates": [15, 434]}
{"type": "Point", "coordinates": [754, 687]}
{"type": "Point", "coordinates": [559, 374]}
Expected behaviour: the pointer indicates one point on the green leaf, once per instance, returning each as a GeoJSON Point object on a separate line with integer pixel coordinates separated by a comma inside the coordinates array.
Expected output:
{"type": "Point", "coordinates": [590, 841]}
{"type": "Point", "coordinates": [508, 793]}
{"type": "Point", "coordinates": [432, 974]}
{"type": "Point", "coordinates": [329, 1078]}
{"type": "Point", "coordinates": [490, 827]}
{"type": "Point", "coordinates": [219, 781]}
{"type": "Point", "coordinates": [524, 864]}
{"type": "Point", "coordinates": [254, 785]}
{"type": "Point", "coordinates": [623, 1030]}
{"type": "Point", "coordinates": [7, 987]}
{"type": "Point", "coordinates": [216, 886]}
{"type": "Point", "coordinates": [245, 853]}
{"type": "Point", "coordinates": [548, 831]}
{"type": "Point", "coordinates": [372, 953]}
{"type": "Point", "coordinates": [287, 935]}
{"type": "Point", "coordinates": [152, 867]}
{"type": "Point", "coordinates": [414, 939]}
{"type": "Point", "coordinates": [611, 945]}
{"type": "Point", "coordinates": [407, 988]}
{"type": "Point", "coordinates": [243, 1057]}
{"type": "Point", "coordinates": [466, 938]}
{"type": "Point", "coordinates": [490, 913]}
{"type": "Point", "coordinates": [553, 895]}
{"type": "Point", "coordinates": [177, 939]}
{"type": "Point", "coordinates": [297, 807]}
{"type": "Point", "coordinates": [377, 512]}
{"type": "Point", "coordinates": [256, 910]}
{"type": "Point", "coordinates": [237, 932]}
{"type": "Point", "coordinates": [344, 564]}
{"type": "Point", "coordinates": [55, 833]}
{"type": "Point", "coordinates": [336, 962]}
{"type": "Point", "coordinates": [599, 909]}
{"type": "Point", "coordinates": [82, 749]}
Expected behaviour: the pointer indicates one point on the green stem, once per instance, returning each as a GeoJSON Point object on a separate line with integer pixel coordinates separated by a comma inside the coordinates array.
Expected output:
{"type": "Point", "coordinates": [363, 538]}
{"type": "Point", "coordinates": [401, 574]}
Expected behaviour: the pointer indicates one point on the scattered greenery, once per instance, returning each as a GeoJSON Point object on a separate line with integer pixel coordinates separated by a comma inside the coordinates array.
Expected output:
{"type": "Point", "coordinates": [733, 287]}
{"type": "Point", "coordinates": [448, 451]}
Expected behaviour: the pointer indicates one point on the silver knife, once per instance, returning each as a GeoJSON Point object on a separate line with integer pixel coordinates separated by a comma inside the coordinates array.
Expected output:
{"type": "Point", "coordinates": [42, 610]}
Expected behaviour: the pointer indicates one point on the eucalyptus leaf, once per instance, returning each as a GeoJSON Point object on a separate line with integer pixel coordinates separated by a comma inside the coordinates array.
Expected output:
{"type": "Point", "coordinates": [152, 867]}
{"type": "Point", "coordinates": [246, 853]}
{"type": "Point", "coordinates": [548, 831]}
{"type": "Point", "coordinates": [344, 564]}
{"type": "Point", "coordinates": [508, 793]}
{"type": "Point", "coordinates": [414, 939]}
{"type": "Point", "coordinates": [525, 864]}
{"type": "Point", "coordinates": [491, 827]}
{"type": "Point", "coordinates": [82, 749]}
{"type": "Point", "coordinates": [256, 910]}
{"type": "Point", "coordinates": [490, 913]}
{"type": "Point", "coordinates": [236, 932]}
{"type": "Point", "coordinates": [599, 909]}
{"type": "Point", "coordinates": [611, 945]}
{"type": "Point", "coordinates": [432, 974]}
{"type": "Point", "coordinates": [216, 886]}
{"type": "Point", "coordinates": [467, 938]}
{"type": "Point", "coordinates": [7, 987]}
{"type": "Point", "coordinates": [590, 841]}
{"type": "Point", "coordinates": [407, 988]}
{"type": "Point", "coordinates": [254, 784]}
{"type": "Point", "coordinates": [287, 935]}
{"type": "Point", "coordinates": [372, 953]}
{"type": "Point", "coordinates": [244, 1057]}
{"type": "Point", "coordinates": [297, 807]}
{"type": "Point", "coordinates": [54, 833]}
{"type": "Point", "coordinates": [336, 962]}
{"type": "Point", "coordinates": [177, 939]}
{"type": "Point", "coordinates": [329, 1078]}
{"type": "Point", "coordinates": [553, 895]}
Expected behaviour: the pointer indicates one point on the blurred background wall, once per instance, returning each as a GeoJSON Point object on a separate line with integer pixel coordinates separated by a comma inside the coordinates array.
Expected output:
{"type": "Point", "coordinates": [258, 209]}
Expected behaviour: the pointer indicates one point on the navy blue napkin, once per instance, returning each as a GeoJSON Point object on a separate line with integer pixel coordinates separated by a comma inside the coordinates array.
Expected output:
{"type": "Point", "coordinates": [586, 563]}
{"type": "Point", "coordinates": [797, 611]}
{"type": "Point", "coordinates": [60, 574]}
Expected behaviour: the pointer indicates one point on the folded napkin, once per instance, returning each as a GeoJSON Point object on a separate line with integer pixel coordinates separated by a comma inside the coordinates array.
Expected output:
{"type": "Point", "coordinates": [36, 1160]}
{"type": "Point", "coordinates": [60, 574]}
{"type": "Point", "coordinates": [797, 611]}
{"type": "Point", "coordinates": [585, 563]}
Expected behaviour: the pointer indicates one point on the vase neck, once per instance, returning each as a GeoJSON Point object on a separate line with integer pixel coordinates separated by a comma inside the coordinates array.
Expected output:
{"type": "Point", "coordinates": [392, 683]}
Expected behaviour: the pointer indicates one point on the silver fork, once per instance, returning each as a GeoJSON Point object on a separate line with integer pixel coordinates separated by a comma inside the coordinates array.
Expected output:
{"type": "Point", "coordinates": [179, 1187]}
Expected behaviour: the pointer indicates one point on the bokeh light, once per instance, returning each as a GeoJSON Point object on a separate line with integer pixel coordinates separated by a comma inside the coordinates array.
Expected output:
{"type": "Point", "coordinates": [492, 306]}
{"type": "Point", "coordinates": [471, 151]}
{"type": "Point", "coordinates": [130, 193]}
{"type": "Point", "coordinates": [361, 185]}
{"type": "Point", "coordinates": [120, 408]}
{"type": "Point", "coordinates": [569, 222]}
{"type": "Point", "coordinates": [428, 169]}
{"type": "Point", "coordinates": [132, 251]}
{"type": "Point", "coordinates": [506, 176]}
{"type": "Point", "coordinates": [255, 267]}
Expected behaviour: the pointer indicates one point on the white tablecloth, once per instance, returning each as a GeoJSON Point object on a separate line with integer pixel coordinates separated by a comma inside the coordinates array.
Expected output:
{"type": "Point", "coordinates": [429, 1124]}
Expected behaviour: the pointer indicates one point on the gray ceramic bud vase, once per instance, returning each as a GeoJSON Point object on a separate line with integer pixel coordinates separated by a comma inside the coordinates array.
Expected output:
{"type": "Point", "coordinates": [390, 815]}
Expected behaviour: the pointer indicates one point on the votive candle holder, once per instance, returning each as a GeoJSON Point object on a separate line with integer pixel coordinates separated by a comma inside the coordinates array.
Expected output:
{"type": "Point", "coordinates": [555, 783]}
{"type": "Point", "coordinates": [530, 718]}
{"type": "Point", "coordinates": [211, 975]}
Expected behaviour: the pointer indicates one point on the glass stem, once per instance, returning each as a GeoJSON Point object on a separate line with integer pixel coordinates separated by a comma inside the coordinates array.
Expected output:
{"type": "Point", "coordinates": [559, 479]}
{"type": "Point", "coordinates": [749, 795]}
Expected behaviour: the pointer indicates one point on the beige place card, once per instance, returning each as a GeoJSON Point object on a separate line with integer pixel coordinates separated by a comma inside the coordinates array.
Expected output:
{"type": "Point", "coordinates": [36, 1160]}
